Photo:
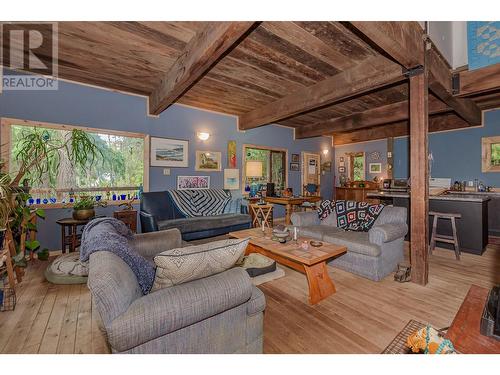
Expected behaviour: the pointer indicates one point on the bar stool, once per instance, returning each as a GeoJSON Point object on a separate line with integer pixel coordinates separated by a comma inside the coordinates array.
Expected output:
{"type": "Point", "coordinates": [444, 238]}
{"type": "Point", "coordinates": [262, 213]}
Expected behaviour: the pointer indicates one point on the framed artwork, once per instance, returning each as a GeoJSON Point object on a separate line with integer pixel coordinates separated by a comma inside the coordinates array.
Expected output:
{"type": "Point", "coordinates": [295, 158]}
{"type": "Point", "coordinates": [327, 166]}
{"type": "Point", "coordinates": [166, 152]}
{"type": "Point", "coordinates": [208, 161]}
{"type": "Point", "coordinates": [482, 43]}
{"type": "Point", "coordinates": [193, 182]}
{"type": "Point", "coordinates": [341, 159]}
{"type": "Point", "coordinates": [490, 154]}
{"type": "Point", "coordinates": [341, 169]}
{"type": "Point", "coordinates": [231, 154]}
{"type": "Point", "coordinates": [231, 179]}
{"type": "Point", "coordinates": [375, 167]}
{"type": "Point", "coordinates": [375, 155]}
{"type": "Point", "coordinates": [294, 167]}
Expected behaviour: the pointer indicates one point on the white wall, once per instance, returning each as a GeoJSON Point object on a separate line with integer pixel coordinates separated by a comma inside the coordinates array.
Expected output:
{"type": "Point", "coordinates": [450, 37]}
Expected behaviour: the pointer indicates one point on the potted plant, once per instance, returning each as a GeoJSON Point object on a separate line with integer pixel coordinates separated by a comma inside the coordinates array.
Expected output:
{"type": "Point", "coordinates": [83, 207]}
{"type": "Point", "coordinates": [5, 205]}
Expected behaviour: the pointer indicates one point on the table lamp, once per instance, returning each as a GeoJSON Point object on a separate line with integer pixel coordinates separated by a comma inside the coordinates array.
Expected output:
{"type": "Point", "coordinates": [253, 170]}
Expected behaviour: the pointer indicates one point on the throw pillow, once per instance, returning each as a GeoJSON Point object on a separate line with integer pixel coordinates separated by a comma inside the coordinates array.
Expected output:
{"type": "Point", "coordinates": [325, 208]}
{"type": "Point", "coordinates": [178, 266]}
{"type": "Point", "coordinates": [356, 216]}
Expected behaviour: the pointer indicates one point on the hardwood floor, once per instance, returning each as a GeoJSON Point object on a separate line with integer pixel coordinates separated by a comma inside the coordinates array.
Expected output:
{"type": "Point", "coordinates": [362, 317]}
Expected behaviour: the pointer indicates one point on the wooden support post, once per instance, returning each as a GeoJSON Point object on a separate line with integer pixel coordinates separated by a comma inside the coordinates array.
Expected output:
{"type": "Point", "coordinates": [419, 174]}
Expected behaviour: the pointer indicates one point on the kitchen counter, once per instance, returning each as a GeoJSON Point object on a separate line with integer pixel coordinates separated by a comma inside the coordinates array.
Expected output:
{"type": "Point", "coordinates": [472, 226]}
{"type": "Point", "coordinates": [461, 196]}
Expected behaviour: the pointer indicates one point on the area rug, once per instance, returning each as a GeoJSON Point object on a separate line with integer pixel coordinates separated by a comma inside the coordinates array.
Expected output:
{"type": "Point", "coordinates": [67, 269]}
{"type": "Point", "coordinates": [279, 273]}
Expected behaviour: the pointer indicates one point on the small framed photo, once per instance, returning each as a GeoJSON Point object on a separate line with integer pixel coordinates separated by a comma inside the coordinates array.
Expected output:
{"type": "Point", "coordinates": [166, 152]}
{"type": "Point", "coordinates": [295, 158]}
{"type": "Point", "coordinates": [294, 167]}
{"type": "Point", "coordinates": [208, 161]}
{"type": "Point", "coordinates": [341, 169]}
{"type": "Point", "coordinates": [193, 182]}
{"type": "Point", "coordinates": [327, 166]}
{"type": "Point", "coordinates": [375, 167]}
{"type": "Point", "coordinates": [231, 179]}
{"type": "Point", "coordinates": [341, 159]}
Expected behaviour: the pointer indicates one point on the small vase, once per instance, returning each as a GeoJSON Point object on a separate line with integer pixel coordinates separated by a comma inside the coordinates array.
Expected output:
{"type": "Point", "coordinates": [83, 214]}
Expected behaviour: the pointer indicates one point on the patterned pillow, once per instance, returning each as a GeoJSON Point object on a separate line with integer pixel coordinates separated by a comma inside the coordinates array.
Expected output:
{"type": "Point", "coordinates": [356, 216]}
{"type": "Point", "coordinates": [178, 266]}
{"type": "Point", "coordinates": [325, 208]}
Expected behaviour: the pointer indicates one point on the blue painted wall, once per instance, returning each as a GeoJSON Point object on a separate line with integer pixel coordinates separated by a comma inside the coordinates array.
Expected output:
{"type": "Point", "coordinates": [367, 147]}
{"type": "Point", "coordinates": [87, 106]}
{"type": "Point", "coordinates": [457, 154]}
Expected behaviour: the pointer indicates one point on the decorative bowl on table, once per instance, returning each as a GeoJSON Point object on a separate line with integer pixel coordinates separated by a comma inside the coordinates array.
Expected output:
{"type": "Point", "coordinates": [281, 234]}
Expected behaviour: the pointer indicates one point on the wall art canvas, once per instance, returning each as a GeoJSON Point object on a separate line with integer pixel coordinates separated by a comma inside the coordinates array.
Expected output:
{"type": "Point", "coordinates": [295, 158]}
{"type": "Point", "coordinates": [341, 169]}
{"type": "Point", "coordinates": [193, 182]}
{"type": "Point", "coordinates": [208, 161]}
{"type": "Point", "coordinates": [294, 167]}
{"type": "Point", "coordinates": [166, 152]}
{"type": "Point", "coordinates": [483, 43]}
{"type": "Point", "coordinates": [327, 166]}
{"type": "Point", "coordinates": [231, 154]}
{"type": "Point", "coordinates": [375, 167]}
{"type": "Point", "coordinates": [231, 179]}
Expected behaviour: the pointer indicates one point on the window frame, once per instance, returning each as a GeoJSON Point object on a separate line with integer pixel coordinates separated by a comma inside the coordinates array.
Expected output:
{"type": "Point", "coordinates": [353, 155]}
{"type": "Point", "coordinates": [261, 147]}
{"type": "Point", "coordinates": [6, 145]}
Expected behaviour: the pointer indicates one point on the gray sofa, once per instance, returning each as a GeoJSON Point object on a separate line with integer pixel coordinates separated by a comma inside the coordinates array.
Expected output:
{"type": "Point", "coordinates": [373, 254]}
{"type": "Point", "coordinates": [222, 313]}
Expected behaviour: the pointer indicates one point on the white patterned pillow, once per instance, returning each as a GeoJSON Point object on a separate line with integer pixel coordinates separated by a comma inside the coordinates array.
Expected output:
{"type": "Point", "coordinates": [178, 266]}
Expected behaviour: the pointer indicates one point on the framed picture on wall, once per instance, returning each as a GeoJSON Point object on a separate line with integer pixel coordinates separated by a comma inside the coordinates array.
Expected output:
{"type": "Point", "coordinates": [294, 167]}
{"type": "Point", "coordinates": [193, 182]}
{"type": "Point", "coordinates": [167, 152]}
{"type": "Point", "coordinates": [208, 161]}
{"type": "Point", "coordinates": [342, 169]}
{"type": "Point", "coordinates": [231, 179]}
{"type": "Point", "coordinates": [295, 158]}
{"type": "Point", "coordinates": [375, 168]}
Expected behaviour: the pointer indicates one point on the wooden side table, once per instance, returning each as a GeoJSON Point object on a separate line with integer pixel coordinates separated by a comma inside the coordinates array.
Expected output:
{"type": "Point", "coordinates": [69, 233]}
{"type": "Point", "coordinates": [261, 213]}
{"type": "Point", "coordinates": [129, 217]}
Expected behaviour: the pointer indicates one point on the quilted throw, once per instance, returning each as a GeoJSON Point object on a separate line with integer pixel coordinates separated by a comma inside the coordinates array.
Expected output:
{"type": "Point", "coordinates": [357, 216]}
{"type": "Point", "coordinates": [196, 203]}
{"type": "Point", "coordinates": [325, 208]}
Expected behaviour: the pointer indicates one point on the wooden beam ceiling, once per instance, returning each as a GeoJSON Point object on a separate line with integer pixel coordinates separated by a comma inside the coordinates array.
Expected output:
{"type": "Point", "coordinates": [377, 116]}
{"type": "Point", "coordinates": [402, 41]}
{"type": "Point", "coordinates": [472, 82]}
{"type": "Point", "coordinates": [373, 73]}
{"type": "Point", "coordinates": [440, 80]}
{"type": "Point", "coordinates": [449, 121]}
{"type": "Point", "coordinates": [207, 47]}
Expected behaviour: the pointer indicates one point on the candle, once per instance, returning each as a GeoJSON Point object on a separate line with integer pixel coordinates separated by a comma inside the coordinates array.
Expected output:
{"type": "Point", "coordinates": [263, 225]}
{"type": "Point", "coordinates": [295, 233]}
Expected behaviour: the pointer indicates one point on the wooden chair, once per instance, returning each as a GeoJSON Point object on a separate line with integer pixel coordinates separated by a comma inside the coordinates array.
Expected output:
{"type": "Point", "coordinates": [453, 239]}
{"type": "Point", "coordinates": [309, 190]}
{"type": "Point", "coordinates": [262, 213]}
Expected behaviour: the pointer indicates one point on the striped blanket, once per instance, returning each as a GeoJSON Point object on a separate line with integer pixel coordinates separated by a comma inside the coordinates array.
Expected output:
{"type": "Point", "coordinates": [195, 203]}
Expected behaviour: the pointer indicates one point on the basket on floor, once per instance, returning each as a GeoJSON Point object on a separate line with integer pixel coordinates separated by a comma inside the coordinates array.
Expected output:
{"type": "Point", "coordinates": [398, 345]}
{"type": "Point", "coordinates": [7, 298]}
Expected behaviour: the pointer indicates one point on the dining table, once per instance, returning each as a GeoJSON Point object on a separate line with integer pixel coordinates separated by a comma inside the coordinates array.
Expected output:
{"type": "Point", "coordinates": [291, 202]}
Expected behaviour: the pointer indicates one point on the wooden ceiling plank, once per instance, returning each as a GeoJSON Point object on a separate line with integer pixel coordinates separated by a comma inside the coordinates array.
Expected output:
{"type": "Point", "coordinates": [374, 73]}
{"type": "Point", "coordinates": [386, 114]}
{"type": "Point", "coordinates": [200, 54]}
{"type": "Point", "coordinates": [401, 40]}
{"type": "Point", "coordinates": [440, 79]}
{"type": "Point", "coordinates": [479, 81]}
{"type": "Point", "coordinates": [438, 123]}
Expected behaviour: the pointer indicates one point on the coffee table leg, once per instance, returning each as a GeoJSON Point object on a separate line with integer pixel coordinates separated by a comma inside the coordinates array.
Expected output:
{"type": "Point", "coordinates": [320, 284]}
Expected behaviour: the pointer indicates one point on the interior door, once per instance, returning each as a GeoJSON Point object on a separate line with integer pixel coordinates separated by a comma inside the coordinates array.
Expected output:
{"type": "Point", "coordinates": [310, 169]}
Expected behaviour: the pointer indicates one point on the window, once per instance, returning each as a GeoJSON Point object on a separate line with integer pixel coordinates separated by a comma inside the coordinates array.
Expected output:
{"type": "Point", "coordinates": [273, 165]}
{"type": "Point", "coordinates": [357, 166]}
{"type": "Point", "coordinates": [490, 158]}
{"type": "Point", "coordinates": [118, 169]}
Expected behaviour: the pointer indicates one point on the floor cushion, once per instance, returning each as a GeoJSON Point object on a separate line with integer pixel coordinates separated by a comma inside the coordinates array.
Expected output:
{"type": "Point", "coordinates": [257, 264]}
{"type": "Point", "coordinates": [185, 264]}
{"type": "Point", "coordinates": [67, 269]}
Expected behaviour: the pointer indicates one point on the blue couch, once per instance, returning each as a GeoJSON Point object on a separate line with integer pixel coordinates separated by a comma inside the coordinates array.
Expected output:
{"type": "Point", "coordinates": [159, 212]}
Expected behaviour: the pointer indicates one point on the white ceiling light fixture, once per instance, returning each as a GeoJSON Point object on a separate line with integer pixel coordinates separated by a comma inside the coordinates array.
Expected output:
{"type": "Point", "coordinates": [203, 136]}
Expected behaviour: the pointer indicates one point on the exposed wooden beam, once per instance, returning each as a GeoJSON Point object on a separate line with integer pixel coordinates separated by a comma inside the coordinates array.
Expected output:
{"type": "Point", "coordinates": [377, 116]}
{"type": "Point", "coordinates": [205, 49]}
{"type": "Point", "coordinates": [419, 174]}
{"type": "Point", "coordinates": [480, 80]}
{"type": "Point", "coordinates": [440, 79]}
{"type": "Point", "coordinates": [449, 121]}
{"type": "Point", "coordinates": [373, 73]}
{"type": "Point", "coordinates": [400, 40]}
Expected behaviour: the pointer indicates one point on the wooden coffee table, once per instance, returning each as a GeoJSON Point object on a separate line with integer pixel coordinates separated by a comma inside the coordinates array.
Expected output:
{"type": "Point", "coordinates": [312, 262]}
